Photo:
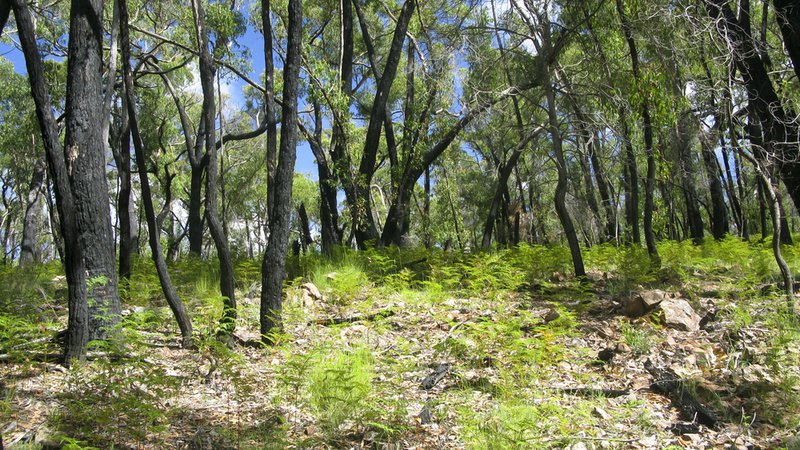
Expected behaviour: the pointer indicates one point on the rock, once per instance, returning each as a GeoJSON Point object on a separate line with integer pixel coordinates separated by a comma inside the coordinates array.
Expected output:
{"type": "Point", "coordinates": [652, 298]}
{"type": "Point", "coordinates": [606, 355]}
{"type": "Point", "coordinates": [312, 291]}
{"type": "Point", "coordinates": [643, 302]}
{"type": "Point", "coordinates": [551, 316]}
{"type": "Point", "coordinates": [679, 314]}
{"type": "Point", "coordinates": [632, 306]}
{"type": "Point", "coordinates": [601, 413]}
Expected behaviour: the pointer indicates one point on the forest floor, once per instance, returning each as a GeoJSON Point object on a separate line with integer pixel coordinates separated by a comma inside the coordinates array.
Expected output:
{"type": "Point", "coordinates": [550, 365]}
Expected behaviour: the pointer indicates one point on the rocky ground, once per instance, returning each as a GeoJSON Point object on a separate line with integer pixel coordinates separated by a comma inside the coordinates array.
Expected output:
{"type": "Point", "coordinates": [562, 366]}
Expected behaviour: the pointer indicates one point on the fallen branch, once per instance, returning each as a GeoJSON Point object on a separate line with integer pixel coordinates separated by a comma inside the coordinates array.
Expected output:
{"type": "Point", "coordinates": [365, 318]}
{"type": "Point", "coordinates": [431, 380]}
{"type": "Point", "coordinates": [593, 392]}
{"type": "Point", "coordinates": [670, 385]}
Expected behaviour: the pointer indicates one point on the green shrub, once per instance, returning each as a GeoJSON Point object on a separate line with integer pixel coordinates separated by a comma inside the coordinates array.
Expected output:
{"type": "Point", "coordinates": [340, 388]}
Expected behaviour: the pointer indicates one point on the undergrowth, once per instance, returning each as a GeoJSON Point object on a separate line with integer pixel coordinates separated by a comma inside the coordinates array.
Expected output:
{"type": "Point", "coordinates": [503, 354]}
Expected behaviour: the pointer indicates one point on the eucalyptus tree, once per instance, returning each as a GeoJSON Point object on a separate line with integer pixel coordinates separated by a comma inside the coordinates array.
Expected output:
{"type": "Point", "coordinates": [21, 165]}
{"type": "Point", "coordinates": [773, 115]}
{"type": "Point", "coordinates": [153, 222]}
{"type": "Point", "coordinates": [649, 203]}
{"type": "Point", "coordinates": [74, 264]}
{"type": "Point", "coordinates": [274, 263]}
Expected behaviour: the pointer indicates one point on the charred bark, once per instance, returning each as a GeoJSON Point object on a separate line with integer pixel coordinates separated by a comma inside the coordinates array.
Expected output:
{"type": "Point", "coordinates": [153, 224]}
{"type": "Point", "coordinates": [273, 265]}
{"type": "Point", "coordinates": [77, 322]}
{"type": "Point", "coordinates": [86, 163]}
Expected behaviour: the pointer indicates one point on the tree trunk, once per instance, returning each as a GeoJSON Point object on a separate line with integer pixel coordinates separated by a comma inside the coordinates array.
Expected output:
{"type": "Point", "coordinates": [305, 227]}
{"type": "Point", "coordinates": [788, 15]}
{"type": "Point", "coordinates": [683, 142]}
{"type": "Point", "coordinates": [153, 224]}
{"type": "Point", "coordinates": [502, 181]}
{"type": "Point", "coordinates": [365, 229]}
{"type": "Point", "coordinates": [649, 236]}
{"type": "Point", "coordinates": [195, 213]}
{"type": "Point", "coordinates": [780, 132]}
{"type": "Point", "coordinates": [227, 281]}
{"type": "Point", "coordinates": [77, 322]}
{"type": "Point", "coordinates": [122, 157]}
{"type": "Point", "coordinates": [29, 250]}
{"type": "Point", "coordinates": [719, 210]}
{"type": "Point", "coordinates": [86, 163]}
{"type": "Point", "coordinates": [273, 266]}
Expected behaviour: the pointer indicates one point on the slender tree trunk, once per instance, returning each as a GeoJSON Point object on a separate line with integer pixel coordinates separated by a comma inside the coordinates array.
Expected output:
{"type": "Point", "coordinates": [153, 224]}
{"type": "Point", "coordinates": [719, 210]}
{"type": "Point", "coordinates": [505, 173]}
{"type": "Point", "coordinates": [788, 15]}
{"type": "Point", "coordinates": [649, 203]}
{"type": "Point", "coordinates": [561, 165]}
{"type": "Point", "coordinates": [274, 263]}
{"type": "Point", "coordinates": [780, 131]}
{"type": "Point", "coordinates": [122, 158]}
{"type": "Point", "coordinates": [195, 213]}
{"type": "Point", "coordinates": [77, 322]}
{"type": "Point", "coordinates": [631, 183]}
{"type": "Point", "coordinates": [305, 227]}
{"type": "Point", "coordinates": [227, 281]}
{"type": "Point", "coordinates": [86, 163]}
{"type": "Point", "coordinates": [365, 229]}
{"type": "Point", "coordinates": [29, 250]}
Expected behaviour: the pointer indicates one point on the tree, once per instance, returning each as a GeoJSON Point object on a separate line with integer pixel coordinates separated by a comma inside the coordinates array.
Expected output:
{"type": "Point", "coordinates": [273, 264]}
{"type": "Point", "coordinates": [153, 223]}
{"type": "Point", "coordinates": [74, 265]}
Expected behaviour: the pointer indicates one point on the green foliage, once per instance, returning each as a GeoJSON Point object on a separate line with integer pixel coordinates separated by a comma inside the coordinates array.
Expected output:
{"type": "Point", "coordinates": [518, 424]}
{"type": "Point", "coordinates": [340, 388]}
{"type": "Point", "coordinates": [638, 339]}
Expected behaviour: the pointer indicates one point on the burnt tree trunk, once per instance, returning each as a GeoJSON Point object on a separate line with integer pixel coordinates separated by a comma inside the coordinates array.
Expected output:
{"type": "Point", "coordinates": [361, 209]}
{"type": "Point", "coordinates": [273, 265]}
{"type": "Point", "coordinates": [86, 163]}
{"type": "Point", "coordinates": [227, 282]}
{"type": "Point", "coordinates": [649, 204]}
{"type": "Point", "coordinates": [77, 322]}
{"type": "Point", "coordinates": [153, 224]}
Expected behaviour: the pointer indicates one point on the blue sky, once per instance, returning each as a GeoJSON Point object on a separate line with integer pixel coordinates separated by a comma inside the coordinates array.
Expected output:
{"type": "Point", "coordinates": [251, 40]}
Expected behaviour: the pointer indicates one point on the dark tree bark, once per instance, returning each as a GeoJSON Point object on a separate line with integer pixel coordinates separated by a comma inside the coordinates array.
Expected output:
{"type": "Point", "coordinates": [195, 220]}
{"type": "Point", "coordinates": [363, 222]}
{"type": "Point", "coordinates": [77, 325]}
{"type": "Point", "coordinates": [28, 251]}
{"type": "Point", "coordinates": [719, 210]}
{"type": "Point", "coordinates": [788, 14]}
{"type": "Point", "coordinates": [780, 131]}
{"type": "Point", "coordinates": [305, 227]}
{"type": "Point", "coordinates": [273, 266]}
{"type": "Point", "coordinates": [563, 181]}
{"type": "Point", "coordinates": [86, 163]}
{"type": "Point", "coordinates": [649, 204]}
{"type": "Point", "coordinates": [630, 182]}
{"type": "Point", "coordinates": [269, 102]}
{"type": "Point", "coordinates": [5, 11]}
{"type": "Point", "coordinates": [502, 181]}
{"type": "Point", "coordinates": [331, 234]}
{"type": "Point", "coordinates": [122, 157]}
{"type": "Point", "coordinates": [153, 224]}
{"type": "Point", "coordinates": [227, 282]}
